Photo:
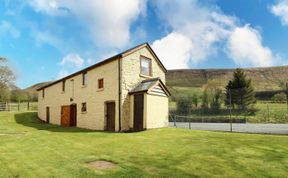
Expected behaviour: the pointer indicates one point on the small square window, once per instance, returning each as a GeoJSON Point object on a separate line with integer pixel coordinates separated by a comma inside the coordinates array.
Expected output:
{"type": "Point", "coordinates": [84, 107]}
{"type": "Point", "coordinates": [100, 83]}
{"type": "Point", "coordinates": [145, 66]}
{"type": "Point", "coordinates": [84, 79]}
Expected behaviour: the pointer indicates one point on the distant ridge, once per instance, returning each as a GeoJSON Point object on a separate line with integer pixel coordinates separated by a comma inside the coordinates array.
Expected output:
{"type": "Point", "coordinates": [33, 89]}
{"type": "Point", "coordinates": [263, 78]}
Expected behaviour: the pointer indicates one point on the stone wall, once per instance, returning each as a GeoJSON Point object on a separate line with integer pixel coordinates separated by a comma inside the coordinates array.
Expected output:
{"type": "Point", "coordinates": [94, 118]}
{"type": "Point", "coordinates": [131, 77]}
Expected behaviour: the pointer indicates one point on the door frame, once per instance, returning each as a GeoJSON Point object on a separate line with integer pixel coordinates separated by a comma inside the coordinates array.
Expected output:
{"type": "Point", "coordinates": [106, 115]}
{"type": "Point", "coordinates": [73, 124]}
{"type": "Point", "coordinates": [135, 127]}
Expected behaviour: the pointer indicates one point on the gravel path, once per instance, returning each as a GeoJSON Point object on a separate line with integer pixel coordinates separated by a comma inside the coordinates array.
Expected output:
{"type": "Point", "coordinates": [247, 128]}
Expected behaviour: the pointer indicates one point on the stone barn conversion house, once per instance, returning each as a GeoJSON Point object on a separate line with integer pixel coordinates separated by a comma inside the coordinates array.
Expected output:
{"type": "Point", "coordinates": [124, 92]}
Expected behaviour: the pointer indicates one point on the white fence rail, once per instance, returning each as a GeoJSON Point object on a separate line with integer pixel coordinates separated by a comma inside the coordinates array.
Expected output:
{"type": "Point", "coordinates": [21, 106]}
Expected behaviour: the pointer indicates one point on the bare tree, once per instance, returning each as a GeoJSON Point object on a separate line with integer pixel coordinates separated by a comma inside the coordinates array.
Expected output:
{"type": "Point", "coordinates": [7, 78]}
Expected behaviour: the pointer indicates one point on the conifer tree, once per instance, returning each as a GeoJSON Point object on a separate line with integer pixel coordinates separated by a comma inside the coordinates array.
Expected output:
{"type": "Point", "coordinates": [241, 90]}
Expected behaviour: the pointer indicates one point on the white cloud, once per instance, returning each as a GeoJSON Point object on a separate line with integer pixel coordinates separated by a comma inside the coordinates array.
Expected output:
{"type": "Point", "coordinates": [108, 21]}
{"type": "Point", "coordinates": [201, 31]}
{"type": "Point", "coordinates": [62, 73]}
{"type": "Point", "coordinates": [50, 7]}
{"type": "Point", "coordinates": [196, 30]}
{"type": "Point", "coordinates": [201, 27]}
{"type": "Point", "coordinates": [174, 50]}
{"type": "Point", "coordinates": [281, 10]}
{"type": "Point", "coordinates": [70, 63]}
{"type": "Point", "coordinates": [7, 28]}
{"type": "Point", "coordinates": [91, 61]}
{"type": "Point", "coordinates": [246, 49]}
{"type": "Point", "coordinates": [73, 60]}
{"type": "Point", "coordinates": [42, 37]}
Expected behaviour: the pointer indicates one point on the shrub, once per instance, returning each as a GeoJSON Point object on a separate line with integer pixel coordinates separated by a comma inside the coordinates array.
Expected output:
{"type": "Point", "coordinates": [279, 98]}
{"type": "Point", "coordinates": [184, 105]}
{"type": "Point", "coordinates": [205, 100]}
{"type": "Point", "coordinates": [195, 100]}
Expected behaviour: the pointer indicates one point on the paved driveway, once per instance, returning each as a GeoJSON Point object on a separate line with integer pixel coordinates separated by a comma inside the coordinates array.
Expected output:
{"type": "Point", "coordinates": [236, 127]}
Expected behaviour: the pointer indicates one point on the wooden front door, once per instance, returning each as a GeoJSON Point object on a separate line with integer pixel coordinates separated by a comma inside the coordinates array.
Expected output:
{"type": "Point", "coordinates": [138, 112]}
{"type": "Point", "coordinates": [110, 116]}
{"type": "Point", "coordinates": [65, 116]}
{"type": "Point", "coordinates": [73, 115]}
{"type": "Point", "coordinates": [47, 114]}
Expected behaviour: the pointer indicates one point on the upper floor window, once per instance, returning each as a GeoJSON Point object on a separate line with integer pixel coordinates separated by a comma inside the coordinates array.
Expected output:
{"type": "Point", "coordinates": [63, 86]}
{"type": "Point", "coordinates": [100, 83]}
{"type": "Point", "coordinates": [145, 66]}
{"type": "Point", "coordinates": [84, 79]}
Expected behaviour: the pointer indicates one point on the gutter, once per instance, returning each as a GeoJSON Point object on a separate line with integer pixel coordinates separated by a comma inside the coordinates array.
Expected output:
{"type": "Point", "coordinates": [119, 93]}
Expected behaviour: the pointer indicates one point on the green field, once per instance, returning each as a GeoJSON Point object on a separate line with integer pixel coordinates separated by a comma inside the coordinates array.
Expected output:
{"type": "Point", "coordinates": [30, 148]}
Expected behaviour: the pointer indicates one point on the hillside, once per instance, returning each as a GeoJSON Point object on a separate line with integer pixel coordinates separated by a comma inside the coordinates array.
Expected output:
{"type": "Point", "coordinates": [263, 79]}
{"type": "Point", "coordinates": [34, 87]}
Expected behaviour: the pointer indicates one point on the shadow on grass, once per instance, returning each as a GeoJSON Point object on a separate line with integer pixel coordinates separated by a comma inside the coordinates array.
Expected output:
{"type": "Point", "coordinates": [30, 119]}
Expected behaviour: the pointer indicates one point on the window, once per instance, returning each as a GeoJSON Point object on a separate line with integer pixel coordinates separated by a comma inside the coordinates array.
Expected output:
{"type": "Point", "coordinates": [84, 107]}
{"type": "Point", "coordinates": [84, 79]}
{"type": "Point", "coordinates": [145, 64]}
{"type": "Point", "coordinates": [43, 93]}
{"type": "Point", "coordinates": [100, 83]}
{"type": "Point", "coordinates": [63, 86]}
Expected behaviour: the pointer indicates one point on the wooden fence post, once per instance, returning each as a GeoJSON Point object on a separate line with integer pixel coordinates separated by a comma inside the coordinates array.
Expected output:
{"type": "Point", "coordinates": [175, 121]}
{"type": "Point", "coordinates": [18, 106]}
{"type": "Point", "coordinates": [28, 106]}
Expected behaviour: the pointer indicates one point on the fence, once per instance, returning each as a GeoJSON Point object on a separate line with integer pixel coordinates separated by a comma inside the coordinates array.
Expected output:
{"type": "Point", "coordinates": [232, 111]}
{"type": "Point", "coordinates": [21, 106]}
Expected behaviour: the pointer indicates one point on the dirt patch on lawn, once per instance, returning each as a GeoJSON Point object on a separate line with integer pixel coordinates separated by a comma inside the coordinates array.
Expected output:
{"type": "Point", "coordinates": [102, 165]}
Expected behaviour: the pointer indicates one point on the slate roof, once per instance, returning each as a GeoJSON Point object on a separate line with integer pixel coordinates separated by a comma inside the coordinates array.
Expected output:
{"type": "Point", "coordinates": [104, 62]}
{"type": "Point", "coordinates": [145, 85]}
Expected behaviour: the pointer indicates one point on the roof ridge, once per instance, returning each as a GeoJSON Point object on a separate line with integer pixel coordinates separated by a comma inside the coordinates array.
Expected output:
{"type": "Point", "coordinates": [92, 66]}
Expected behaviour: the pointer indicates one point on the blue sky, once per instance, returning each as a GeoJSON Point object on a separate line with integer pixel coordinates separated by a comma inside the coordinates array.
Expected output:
{"type": "Point", "coordinates": [48, 39]}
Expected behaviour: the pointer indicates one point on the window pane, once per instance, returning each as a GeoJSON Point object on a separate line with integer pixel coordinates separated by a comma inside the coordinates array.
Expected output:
{"type": "Point", "coordinates": [84, 82]}
{"type": "Point", "coordinates": [145, 63]}
{"type": "Point", "coordinates": [101, 83]}
{"type": "Point", "coordinates": [145, 66]}
{"type": "Point", "coordinates": [84, 107]}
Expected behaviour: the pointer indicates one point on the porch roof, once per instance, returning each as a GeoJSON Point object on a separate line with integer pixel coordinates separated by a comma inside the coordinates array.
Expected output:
{"type": "Point", "coordinates": [147, 85]}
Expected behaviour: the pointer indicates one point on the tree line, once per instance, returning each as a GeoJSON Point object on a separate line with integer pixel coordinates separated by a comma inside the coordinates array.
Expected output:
{"type": "Point", "coordinates": [8, 93]}
{"type": "Point", "coordinates": [238, 94]}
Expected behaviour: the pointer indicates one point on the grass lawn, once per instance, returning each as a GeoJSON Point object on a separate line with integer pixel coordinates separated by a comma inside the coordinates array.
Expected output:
{"type": "Point", "coordinates": [29, 148]}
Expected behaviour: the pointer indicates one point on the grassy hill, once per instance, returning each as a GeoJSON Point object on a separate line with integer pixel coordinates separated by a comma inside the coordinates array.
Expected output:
{"type": "Point", "coordinates": [33, 88]}
{"type": "Point", "coordinates": [267, 80]}
{"type": "Point", "coordinates": [31, 91]}
{"type": "Point", "coordinates": [263, 79]}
